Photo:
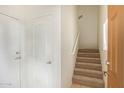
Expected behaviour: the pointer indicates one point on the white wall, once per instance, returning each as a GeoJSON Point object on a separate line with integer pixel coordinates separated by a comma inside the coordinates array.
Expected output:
{"type": "Point", "coordinates": [103, 39]}
{"type": "Point", "coordinates": [68, 34]}
{"type": "Point", "coordinates": [88, 26]}
{"type": "Point", "coordinates": [25, 14]}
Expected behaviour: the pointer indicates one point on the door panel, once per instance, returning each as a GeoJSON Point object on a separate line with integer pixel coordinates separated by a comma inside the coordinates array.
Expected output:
{"type": "Point", "coordinates": [39, 64]}
{"type": "Point", "coordinates": [9, 52]}
{"type": "Point", "coordinates": [115, 51]}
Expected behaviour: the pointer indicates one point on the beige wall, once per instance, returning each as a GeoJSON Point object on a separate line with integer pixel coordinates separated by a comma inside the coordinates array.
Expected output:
{"type": "Point", "coordinates": [88, 26]}
{"type": "Point", "coordinates": [68, 34]}
{"type": "Point", "coordinates": [103, 39]}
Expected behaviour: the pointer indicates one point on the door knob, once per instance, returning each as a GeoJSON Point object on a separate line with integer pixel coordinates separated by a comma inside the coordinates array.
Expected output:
{"type": "Point", "coordinates": [18, 53]}
{"type": "Point", "coordinates": [17, 58]}
{"type": "Point", "coordinates": [49, 62]}
{"type": "Point", "coordinates": [106, 73]}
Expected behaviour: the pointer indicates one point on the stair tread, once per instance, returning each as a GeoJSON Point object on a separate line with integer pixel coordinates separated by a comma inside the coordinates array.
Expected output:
{"type": "Point", "coordinates": [88, 71]}
{"type": "Point", "coordinates": [89, 50]}
{"type": "Point", "coordinates": [89, 64]}
{"type": "Point", "coordinates": [88, 58]}
{"type": "Point", "coordinates": [88, 79]}
{"type": "Point", "coordinates": [87, 53]}
{"type": "Point", "coordinates": [75, 85]}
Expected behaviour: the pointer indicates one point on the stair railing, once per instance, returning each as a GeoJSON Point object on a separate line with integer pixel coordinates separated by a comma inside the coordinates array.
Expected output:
{"type": "Point", "coordinates": [75, 46]}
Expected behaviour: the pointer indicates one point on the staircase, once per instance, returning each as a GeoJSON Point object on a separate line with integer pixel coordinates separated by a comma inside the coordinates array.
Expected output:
{"type": "Point", "coordinates": [88, 70]}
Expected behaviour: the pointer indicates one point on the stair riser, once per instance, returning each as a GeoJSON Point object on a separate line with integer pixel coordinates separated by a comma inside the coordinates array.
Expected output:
{"type": "Point", "coordinates": [89, 67]}
{"type": "Point", "coordinates": [88, 60]}
{"type": "Point", "coordinates": [88, 51]}
{"type": "Point", "coordinates": [87, 83]}
{"type": "Point", "coordinates": [89, 55]}
{"type": "Point", "coordinates": [94, 75]}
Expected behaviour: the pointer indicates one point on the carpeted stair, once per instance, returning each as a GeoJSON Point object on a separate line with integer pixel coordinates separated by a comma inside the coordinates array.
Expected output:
{"type": "Point", "coordinates": [88, 70]}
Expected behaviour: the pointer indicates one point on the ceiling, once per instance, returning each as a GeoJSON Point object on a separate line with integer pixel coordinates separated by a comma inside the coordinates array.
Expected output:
{"type": "Point", "coordinates": [25, 12]}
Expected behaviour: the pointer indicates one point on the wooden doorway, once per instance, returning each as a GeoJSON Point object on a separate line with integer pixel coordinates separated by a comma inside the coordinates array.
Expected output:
{"type": "Point", "coordinates": [116, 46]}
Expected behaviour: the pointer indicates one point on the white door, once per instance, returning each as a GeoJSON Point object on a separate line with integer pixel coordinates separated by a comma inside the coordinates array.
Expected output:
{"type": "Point", "coordinates": [9, 52]}
{"type": "Point", "coordinates": [36, 65]}
{"type": "Point", "coordinates": [39, 66]}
